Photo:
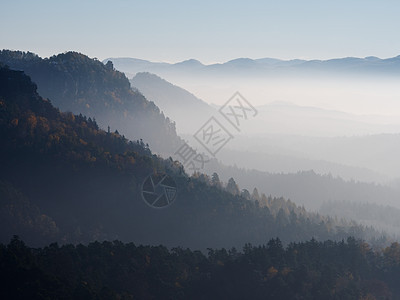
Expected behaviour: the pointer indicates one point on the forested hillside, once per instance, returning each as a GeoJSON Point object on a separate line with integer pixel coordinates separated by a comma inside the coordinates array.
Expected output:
{"type": "Point", "coordinates": [79, 84]}
{"type": "Point", "coordinates": [60, 169]}
{"type": "Point", "coordinates": [189, 112]}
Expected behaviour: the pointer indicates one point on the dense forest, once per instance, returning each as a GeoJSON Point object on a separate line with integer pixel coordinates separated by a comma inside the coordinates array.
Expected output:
{"type": "Point", "coordinates": [64, 179]}
{"type": "Point", "coordinates": [113, 270]}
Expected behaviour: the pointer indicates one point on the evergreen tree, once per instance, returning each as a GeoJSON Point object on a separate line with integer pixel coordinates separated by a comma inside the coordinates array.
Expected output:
{"type": "Point", "coordinates": [215, 180]}
{"type": "Point", "coordinates": [232, 187]}
{"type": "Point", "coordinates": [255, 196]}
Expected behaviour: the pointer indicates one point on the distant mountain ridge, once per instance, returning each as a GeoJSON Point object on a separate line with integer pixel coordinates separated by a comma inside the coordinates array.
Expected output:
{"type": "Point", "coordinates": [390, 66]}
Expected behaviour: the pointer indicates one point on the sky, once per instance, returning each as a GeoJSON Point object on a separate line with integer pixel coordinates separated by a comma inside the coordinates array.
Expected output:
{"type": "Point", "coordinates": [210, 31]}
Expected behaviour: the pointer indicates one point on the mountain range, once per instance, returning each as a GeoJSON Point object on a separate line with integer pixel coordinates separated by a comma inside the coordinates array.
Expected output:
{"type": "Point", "coordinates": [64, 180]}
{"type": "Point", "coordinates": [371, 64]}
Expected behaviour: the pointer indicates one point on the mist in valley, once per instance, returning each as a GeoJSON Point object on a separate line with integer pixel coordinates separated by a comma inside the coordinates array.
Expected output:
{"type": "Point", "coordinates": [321, 135]}
{"type": "Point", "coordinates": [199, 150]}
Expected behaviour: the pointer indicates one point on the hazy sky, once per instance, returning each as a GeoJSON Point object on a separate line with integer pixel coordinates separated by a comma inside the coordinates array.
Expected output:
{"type": "Point", "coordinates": [211, 31]}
